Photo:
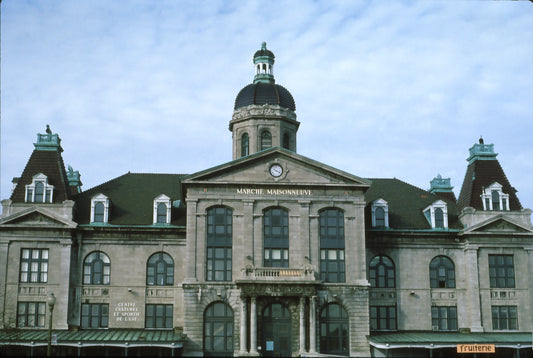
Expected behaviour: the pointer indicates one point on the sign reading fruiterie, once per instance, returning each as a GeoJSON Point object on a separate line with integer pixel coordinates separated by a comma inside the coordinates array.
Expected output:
{"type": "Point", "coordinates": [476, 348]}
{"type": "Point", "coordinates": [267, 191]}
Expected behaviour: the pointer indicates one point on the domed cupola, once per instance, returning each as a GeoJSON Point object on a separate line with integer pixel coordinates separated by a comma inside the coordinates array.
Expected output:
{"type": "Point", "coordinates": [264, 112]}
{"type": "Point", "coordinates": [264, 90]}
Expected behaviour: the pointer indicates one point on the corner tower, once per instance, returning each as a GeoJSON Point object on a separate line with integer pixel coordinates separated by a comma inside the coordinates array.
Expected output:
{"type": "Point", "coordinates": [486, 186]}
{"type": "Point", "coordinates": [264, 112]}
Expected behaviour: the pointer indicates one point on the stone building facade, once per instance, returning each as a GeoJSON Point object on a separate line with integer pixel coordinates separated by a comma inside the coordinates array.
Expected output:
{"type": "Point", "coordinates": [270, 254]}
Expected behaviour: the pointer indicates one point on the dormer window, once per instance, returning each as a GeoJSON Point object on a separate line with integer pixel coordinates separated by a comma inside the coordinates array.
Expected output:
{"type": "Point", "coordinates": [39, 191]}
{"type": "Point", "coordinates": [162, 205]}
{"type": "Point", "coordinates": [380, 214]}
{"type": "Point", "coordinates": [99, 209]}
{"type": "Point", "coordinates": [437, 215]}
{"type": "Point", "coordinates": [493, 198]}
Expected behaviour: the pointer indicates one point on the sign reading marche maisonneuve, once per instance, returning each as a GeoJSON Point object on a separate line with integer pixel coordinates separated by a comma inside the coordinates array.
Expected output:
{"type": "Point", "coordinates": [476, 348]}
{"type": "Point", "coordinates": [269, 191]}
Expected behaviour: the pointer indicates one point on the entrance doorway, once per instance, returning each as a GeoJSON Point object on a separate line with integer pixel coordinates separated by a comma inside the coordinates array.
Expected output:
{"type": "Point", "coordinates": [276, 340]}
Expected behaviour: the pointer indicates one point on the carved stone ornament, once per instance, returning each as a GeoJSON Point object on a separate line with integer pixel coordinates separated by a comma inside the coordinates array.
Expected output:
{"type": "Point", "coordinates": [266, 110]}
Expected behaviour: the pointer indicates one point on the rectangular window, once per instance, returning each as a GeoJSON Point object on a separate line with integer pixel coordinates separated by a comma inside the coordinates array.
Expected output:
{"type": "Point", "coordinates": [34, 265]}
{"type": "Point", "coordinates": [276, 257]}
{"type": "Point", "coordinates": [31, 314]}
{"type": "Point", "coordinates": [332, 268]}
{"type": "Point", "coordinates": [219, 264]}
{"type": "Point", "coordinates": [158, 316]}
{"type": "Point", "coordinates": [94, 315]}
{"type": "Point", "coordinates": [382, 318]}
{"type": "Point", "coordinates": [444, 318]}
{"type": "Point", "coordinates": [501, 271]}
{"type": "Point", "coordinates": [504, 318]}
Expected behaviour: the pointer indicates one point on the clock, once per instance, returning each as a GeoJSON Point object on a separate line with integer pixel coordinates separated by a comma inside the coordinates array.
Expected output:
{"type": "Point", "coordinates": [276, 170]}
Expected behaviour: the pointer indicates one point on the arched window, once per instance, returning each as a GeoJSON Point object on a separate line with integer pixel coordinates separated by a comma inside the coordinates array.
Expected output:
{"type": "Point", "coordinates": [381, 272]}
{"type": "Point", "coordinates": [266, 140]}
{"type": "Point", "coordinates": [160, 270]}
{"type": "Point", "coordinates": [276, 237]}
{"type": "Point", "coordinates": [334, 330]}
{"type": "Point", "coordinates": [96, 269]}
{"type": "Point", "coordinates": [439, 218]}
{"type": "Point", "coordinates": [245, 145]}
{"type": "Point", "coordinates": [99, 212]}
{"type": "Point", "coordinates": [441, 273]}
{"type": "Point", "coordinates": [332, 266]}
{"type": "Point", "coordinates": [218, 330]}
{"type": "Point", "coordinates": [286, 141]}
{"type": "Point", "coordinates": [219, 244]}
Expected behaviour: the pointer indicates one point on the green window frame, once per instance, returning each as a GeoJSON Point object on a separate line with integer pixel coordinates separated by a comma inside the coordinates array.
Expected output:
{"type": "Point", "coordinates": [382, 272]}
{"type": "Point", "coordinates": [504, 318]}
{"type": "Point", "coordinates": [332, 245]}
{"type": "Point", "coordinates": [245, 145]}
{"type": "Point", "coordinates": [276, 237]}
{"type": "Point", "coordinates": [219, 257]}
{"type": "Point", "coordinates": [94, 315]}
{"type": "Point", "coordinates": [501, 271]}
{"type": "Point", "coordinates": [97, 269]}
{"type": "Point", "coordinates": [334, 330]}
{"type": "Point", "coordinates": [218, 330]}
{"type": "Point", "coordinates": [383, 318]}
{"type": "Point", "coordinates": [160, 270]}
{"type": "Point", "coordinates": [33, 265]}
{"type": "Point", "coordinates": [159, 316]}
{"type": "Point", "coordinates": [31, 314]}
{"type": "Point", "coordinates": [441, 272]}
{"type": "Point", "coordinates": [444, 318]}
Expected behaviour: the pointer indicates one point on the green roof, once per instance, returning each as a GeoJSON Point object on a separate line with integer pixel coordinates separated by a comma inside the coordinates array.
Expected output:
{"type": "Point", "coordinates": [132, 197]}
{"type": "Point", "coordinates": [97, 337]}
{"type": "Point", "coordinates": [449, 339]}
{"type": "Point", "coordinates": [406, 203]}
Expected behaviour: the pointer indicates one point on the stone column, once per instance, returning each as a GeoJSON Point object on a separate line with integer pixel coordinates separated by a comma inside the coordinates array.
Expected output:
{"type": "Point", "coordinates": [312, 325]}
{"type": "Point", "coordinates": [244, 327]}
{"type": "Point", "coordinates": [302, 325]}
{"type": "Point", "coordinates": [253, 326]}
{"type": "Point", "coordinates": [472, 289]}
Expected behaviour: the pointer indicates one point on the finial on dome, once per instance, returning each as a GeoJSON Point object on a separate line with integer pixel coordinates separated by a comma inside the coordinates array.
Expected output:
{"type": "Point", "coordinates": [481, 139]}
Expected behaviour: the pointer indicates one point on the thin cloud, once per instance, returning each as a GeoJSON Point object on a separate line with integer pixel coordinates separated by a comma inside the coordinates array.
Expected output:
{"type": "Point", "coordinates": [382, 89]}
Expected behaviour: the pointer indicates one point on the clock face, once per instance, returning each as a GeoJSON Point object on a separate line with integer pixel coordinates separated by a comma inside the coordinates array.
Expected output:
{"type": "Point", "coordinates": [276, 170]}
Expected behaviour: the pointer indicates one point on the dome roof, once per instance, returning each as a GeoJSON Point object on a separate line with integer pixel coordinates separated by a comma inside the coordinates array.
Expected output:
{"type": "Point", "coordinates": [264, 93]}
{"type": "Point", "coordinates": [264, 52]}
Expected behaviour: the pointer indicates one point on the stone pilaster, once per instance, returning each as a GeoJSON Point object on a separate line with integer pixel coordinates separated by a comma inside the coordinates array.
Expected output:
{"type": "Point", "coordinates": [472, 288]}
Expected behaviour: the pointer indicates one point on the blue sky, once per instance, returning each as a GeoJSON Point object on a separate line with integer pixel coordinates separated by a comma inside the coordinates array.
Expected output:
{"type": "Point", "coordinates": [382, 88]}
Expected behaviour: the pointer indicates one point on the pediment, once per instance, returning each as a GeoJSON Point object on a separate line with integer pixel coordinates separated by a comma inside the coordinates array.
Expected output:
{"type": "Point", "coordinates": [296, 169]}
{"type": "Point", "coordinates": [36, 217]}
{"type": "Point", "coordinates": [498, 225]}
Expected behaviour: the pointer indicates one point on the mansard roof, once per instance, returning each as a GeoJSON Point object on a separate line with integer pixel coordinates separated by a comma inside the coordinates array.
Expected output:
{"type": "Point", "coordinates": [132, 197]}
{"type": "Point", "coordinates": [481, 174]}
{"type": "Point", "coordinates": [406, 203]}
{"type": "Point", "coordinates": [49, 163]}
